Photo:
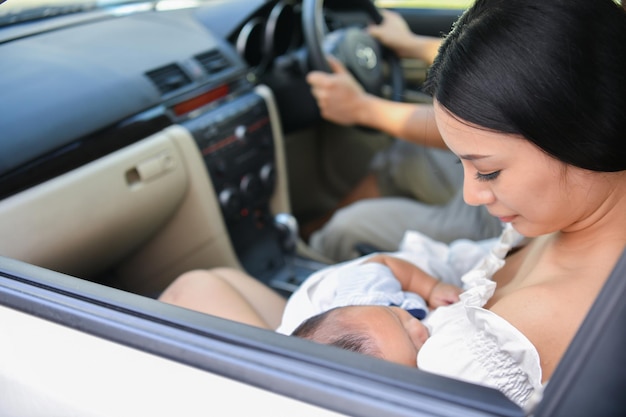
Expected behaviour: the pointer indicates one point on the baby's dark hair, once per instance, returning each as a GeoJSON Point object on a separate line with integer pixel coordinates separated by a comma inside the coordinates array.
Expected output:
{"type": "Point", "coordinates": [329, 328]}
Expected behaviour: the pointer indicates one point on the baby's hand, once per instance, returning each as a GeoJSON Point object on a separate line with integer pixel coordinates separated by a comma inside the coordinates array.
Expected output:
{"type": "Point", "coordinates": [443, 295]}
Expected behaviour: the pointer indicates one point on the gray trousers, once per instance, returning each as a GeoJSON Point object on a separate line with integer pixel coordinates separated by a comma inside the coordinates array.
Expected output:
{"type": "Point", "coordinates": [423, 191]}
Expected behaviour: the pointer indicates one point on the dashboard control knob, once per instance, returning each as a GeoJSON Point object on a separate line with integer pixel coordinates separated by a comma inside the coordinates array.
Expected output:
{"type": "Point", "coordinates": [250, 186]}
{"type": "Point", "coordinates": [230, 200]}
{"type": "Point", "coordinates": [240, 132]}
{"type": "Point", "coordinates": [268, 175]}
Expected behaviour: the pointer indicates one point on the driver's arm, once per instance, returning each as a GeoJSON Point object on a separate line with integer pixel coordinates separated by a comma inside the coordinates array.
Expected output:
{"type": "Point", "coordinates": [342, 100]}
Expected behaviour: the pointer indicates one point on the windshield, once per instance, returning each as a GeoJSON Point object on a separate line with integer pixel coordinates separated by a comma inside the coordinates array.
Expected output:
{"type": "Point", "coordinates": [19, 11]}
{"type": "Point", "coordinates": [15, 5]}
{"type": "Point", "coordinates": [14, 12]}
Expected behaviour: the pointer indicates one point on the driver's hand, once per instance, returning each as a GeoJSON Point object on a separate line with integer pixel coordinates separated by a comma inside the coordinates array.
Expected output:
{"type": "Point", "coordinates": [394, 33]}
{"type": "Point", "coordinates": [339, 96]}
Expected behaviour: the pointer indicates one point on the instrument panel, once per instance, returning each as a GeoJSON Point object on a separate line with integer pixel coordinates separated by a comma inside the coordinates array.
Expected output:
{"type": "Point", "coordinates": [267, 36]}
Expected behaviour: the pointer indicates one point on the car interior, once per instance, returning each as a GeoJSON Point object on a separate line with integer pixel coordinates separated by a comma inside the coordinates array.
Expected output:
{"type": "Point", "coordinates": [141, 142]}
{"type": "Point", "coordinates": [201, 148]}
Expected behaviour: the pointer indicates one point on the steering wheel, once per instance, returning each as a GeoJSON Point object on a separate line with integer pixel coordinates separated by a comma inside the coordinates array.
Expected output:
{"type": "Point", "coordinates": [355, 48]}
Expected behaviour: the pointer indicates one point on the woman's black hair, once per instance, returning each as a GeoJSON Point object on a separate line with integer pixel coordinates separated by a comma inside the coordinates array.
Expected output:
{"type": "Point", "coordinates": [552, 71]}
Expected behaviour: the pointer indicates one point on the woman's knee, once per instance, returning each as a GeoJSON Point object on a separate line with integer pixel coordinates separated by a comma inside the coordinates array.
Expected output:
{"type": "Point", "coordinates": [193, 282]}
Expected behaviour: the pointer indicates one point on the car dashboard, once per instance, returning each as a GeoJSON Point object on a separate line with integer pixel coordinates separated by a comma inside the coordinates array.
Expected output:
{"type": "Point", "coordinates": [139, 145]}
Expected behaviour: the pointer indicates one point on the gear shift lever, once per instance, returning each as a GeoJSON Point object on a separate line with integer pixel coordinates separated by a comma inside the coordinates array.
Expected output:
{"type": "Point", "coordinates": [287, 227]}
{"type": "Point", "coordinates": [296, 268]}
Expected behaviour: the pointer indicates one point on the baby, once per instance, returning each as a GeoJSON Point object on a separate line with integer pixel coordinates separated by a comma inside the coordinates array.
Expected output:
{"type": "Point", "coordinates": [384, 331]}
{"type": "Point", "coordinates": [389, 333]}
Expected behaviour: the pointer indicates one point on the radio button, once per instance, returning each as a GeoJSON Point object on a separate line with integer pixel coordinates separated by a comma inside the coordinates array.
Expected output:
{"type": "Point", "coordinates": [268, 175]}
{"type": "Point", "coordinates": [230, 201]}
{"type": "Point", "coordinates": [240, 132]}
{"type": "Point", "coordinates": [250, 187]}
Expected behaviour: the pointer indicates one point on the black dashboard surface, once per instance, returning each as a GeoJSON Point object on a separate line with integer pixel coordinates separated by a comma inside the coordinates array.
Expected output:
{"type": "Point", "coordinates": [60, 85]}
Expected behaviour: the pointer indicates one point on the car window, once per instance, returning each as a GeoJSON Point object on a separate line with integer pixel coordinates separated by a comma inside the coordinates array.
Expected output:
{"type": "Point", "coordinates": [425, 4]}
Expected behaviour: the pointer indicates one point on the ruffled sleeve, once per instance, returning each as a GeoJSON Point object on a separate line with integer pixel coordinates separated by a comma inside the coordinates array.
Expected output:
{"type": "Point", "coordinates": [477, 283]}
{"type": "Point", "coordinates": [473, 344]}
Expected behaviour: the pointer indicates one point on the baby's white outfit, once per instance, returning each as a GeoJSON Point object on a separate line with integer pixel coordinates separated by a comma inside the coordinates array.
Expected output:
{"type": "Point", "coordinates": [356, 283]}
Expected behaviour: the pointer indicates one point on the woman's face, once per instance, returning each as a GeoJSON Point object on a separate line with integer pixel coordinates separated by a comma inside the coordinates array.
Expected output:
{"type": "Point", "coordinates": [515, 180]}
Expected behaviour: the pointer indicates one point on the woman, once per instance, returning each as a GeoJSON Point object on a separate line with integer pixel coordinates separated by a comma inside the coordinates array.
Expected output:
{"type": "Point", "coordinates": [537, 115]}
{"type": "Point", "coordinates": [531, 96]}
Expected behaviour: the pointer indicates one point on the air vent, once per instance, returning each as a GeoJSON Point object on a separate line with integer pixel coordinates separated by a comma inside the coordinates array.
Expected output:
{"type": "Point", "coordinates": [213, 61]}
{"type": "Point", "coordinates": [169, 78]}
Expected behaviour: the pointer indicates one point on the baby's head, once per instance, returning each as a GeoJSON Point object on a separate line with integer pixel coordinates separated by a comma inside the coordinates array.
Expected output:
{"type": "Point", "coordinates": [389, 333]}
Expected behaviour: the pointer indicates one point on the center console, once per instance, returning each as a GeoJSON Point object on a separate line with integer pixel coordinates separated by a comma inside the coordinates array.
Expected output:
{"type": "Point", "coordinates": [238, 149]}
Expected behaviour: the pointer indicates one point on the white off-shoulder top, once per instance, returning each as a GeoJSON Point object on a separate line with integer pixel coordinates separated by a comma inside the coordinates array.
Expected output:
{"type": "Point", "coordinates": [473, 344]}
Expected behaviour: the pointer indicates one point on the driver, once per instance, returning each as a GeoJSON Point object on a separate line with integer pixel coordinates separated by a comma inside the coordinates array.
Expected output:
{"type": "Point", "coordinates": [415, 184]}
